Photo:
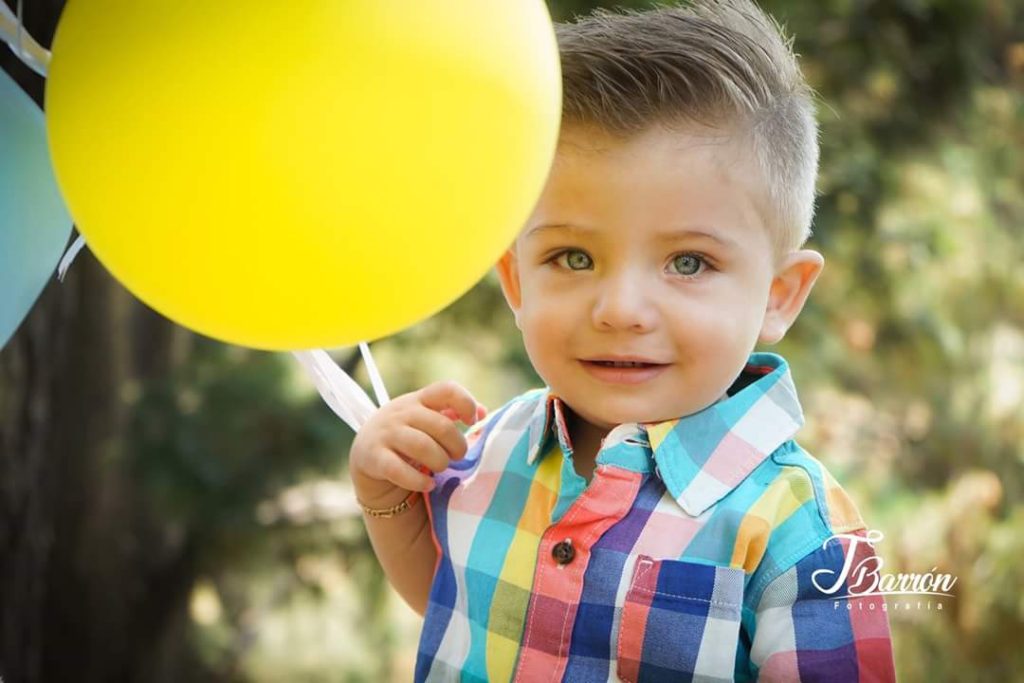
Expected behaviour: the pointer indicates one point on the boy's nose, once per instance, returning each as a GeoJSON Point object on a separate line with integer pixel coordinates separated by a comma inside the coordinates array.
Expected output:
{"type": "Point", "coordinates": [623, 303]}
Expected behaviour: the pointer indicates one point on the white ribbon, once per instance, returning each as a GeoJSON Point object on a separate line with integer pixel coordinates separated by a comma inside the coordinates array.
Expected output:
{"type": "Point", "coordinates": [12, 32]}
{"type": "Point", "coordinates": [344, 396]}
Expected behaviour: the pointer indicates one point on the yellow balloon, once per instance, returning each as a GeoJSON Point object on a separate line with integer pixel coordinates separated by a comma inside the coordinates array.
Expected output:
{"type": "Point", "coordinates": [292, 175]}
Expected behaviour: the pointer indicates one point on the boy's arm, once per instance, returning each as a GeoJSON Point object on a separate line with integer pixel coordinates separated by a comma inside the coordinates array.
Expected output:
{"type": "Point", "coordinates": [804, 633]}
{"type": "Point", "coordinates": [395, 453]}
{"type": "Point", "coordinates": [403, 544]}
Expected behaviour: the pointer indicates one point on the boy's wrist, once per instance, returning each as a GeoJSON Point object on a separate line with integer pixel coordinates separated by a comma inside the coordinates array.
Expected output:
{"type": "Point", "coordinates": [377, 493]}
{"type": "Point", "coordinates": [387, 511]}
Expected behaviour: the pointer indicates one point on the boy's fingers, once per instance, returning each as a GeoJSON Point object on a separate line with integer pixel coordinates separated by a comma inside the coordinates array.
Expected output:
{"type": "Point", "coordinates": [481, 413]}
{"type": "Point", "coordinates": [441, 428]}
{"type": "Point", "coordinates": [419, 447]}
{"type": "Point", "coordinates": [403, 473]}
{"type": "Point", "coordinates": [450, 394]}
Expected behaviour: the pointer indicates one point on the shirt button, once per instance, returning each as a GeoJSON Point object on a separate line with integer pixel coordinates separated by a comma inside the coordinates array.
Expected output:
{"type": "Point", "coordinates": [563, 551]}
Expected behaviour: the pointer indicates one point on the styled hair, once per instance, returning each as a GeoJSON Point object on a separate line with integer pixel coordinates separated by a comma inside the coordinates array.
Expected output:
{"type": "Point", "coordinates": [718, 63]}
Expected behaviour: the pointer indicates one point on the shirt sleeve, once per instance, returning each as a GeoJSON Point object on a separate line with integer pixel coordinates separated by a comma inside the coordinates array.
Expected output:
{"type": "Point", "coordinates": [812, 623]}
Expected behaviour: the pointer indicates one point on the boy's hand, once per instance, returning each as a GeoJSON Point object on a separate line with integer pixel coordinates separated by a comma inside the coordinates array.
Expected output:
{"type": "Point", "coordinates": [407, 439]}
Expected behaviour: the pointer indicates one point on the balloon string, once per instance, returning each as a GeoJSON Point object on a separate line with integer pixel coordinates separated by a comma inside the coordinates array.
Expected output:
{"type": "Point", "coordinates": [375, 379]}
{"type": "Point", "coordinates": [69, 257]}
{"type": "Point", "coordinates": [12, 32]}
{"type": "Point", "coordinates": [21, 28]}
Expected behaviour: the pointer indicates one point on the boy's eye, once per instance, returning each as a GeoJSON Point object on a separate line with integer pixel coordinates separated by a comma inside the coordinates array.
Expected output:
{"type": "Point", "coordinates": [688, 264]}
{"type": "Point", "coordinates": [574, 259]}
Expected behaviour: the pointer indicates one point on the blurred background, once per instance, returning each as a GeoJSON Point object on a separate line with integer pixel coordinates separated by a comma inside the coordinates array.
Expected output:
{"type": "Point", "coordinates": [172, 508]}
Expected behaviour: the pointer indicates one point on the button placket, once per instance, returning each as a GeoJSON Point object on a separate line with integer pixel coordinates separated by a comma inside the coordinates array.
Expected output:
{"type": "Point", "coordinates": [558, 587]}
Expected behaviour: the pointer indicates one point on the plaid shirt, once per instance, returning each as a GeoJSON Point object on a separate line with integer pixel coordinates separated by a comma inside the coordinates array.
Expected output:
{"type": "Point", "coordinates": [687, 557]}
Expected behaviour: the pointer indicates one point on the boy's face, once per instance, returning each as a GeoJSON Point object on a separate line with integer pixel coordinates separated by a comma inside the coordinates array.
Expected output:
{"type": "Point", "coordinates": [651, 249]}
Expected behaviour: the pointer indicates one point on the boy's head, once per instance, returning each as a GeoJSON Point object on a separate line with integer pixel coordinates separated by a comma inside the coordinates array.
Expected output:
{"type": "Point", "coordinates": [670, 227]}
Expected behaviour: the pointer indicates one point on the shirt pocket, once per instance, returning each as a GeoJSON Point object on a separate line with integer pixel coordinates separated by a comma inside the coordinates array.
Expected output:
{"type": "Point", "coordinates": [679, 620]}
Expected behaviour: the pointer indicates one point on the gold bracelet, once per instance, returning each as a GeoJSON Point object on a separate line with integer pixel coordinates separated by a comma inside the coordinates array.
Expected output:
{"type": "Point", "coordinates": [394, 509]}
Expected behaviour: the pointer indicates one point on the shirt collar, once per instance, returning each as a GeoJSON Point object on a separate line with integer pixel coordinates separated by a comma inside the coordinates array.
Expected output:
{"type": "Point", "coordinates": [703, 456]}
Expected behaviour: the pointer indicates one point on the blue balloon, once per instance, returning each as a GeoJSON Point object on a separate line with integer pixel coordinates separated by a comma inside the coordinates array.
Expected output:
{"type": "Point", "coordinates": [34, 223]}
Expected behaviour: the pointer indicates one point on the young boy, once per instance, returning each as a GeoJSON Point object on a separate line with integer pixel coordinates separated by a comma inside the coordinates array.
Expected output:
{"type": "Point", "coordinates": [647, 515]}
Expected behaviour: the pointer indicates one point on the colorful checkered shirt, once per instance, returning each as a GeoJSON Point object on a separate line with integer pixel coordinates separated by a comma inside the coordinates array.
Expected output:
{"type": "Point", "coordinates": [688, 556]}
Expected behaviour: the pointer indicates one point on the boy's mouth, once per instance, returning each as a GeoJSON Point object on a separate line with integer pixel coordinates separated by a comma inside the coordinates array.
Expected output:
{"type": "Point", "coordinates": [623, 361]}
{"type": "Point", "coordinates": [622, 364]}
{"type": "Point", "coordinates": [623, 371]}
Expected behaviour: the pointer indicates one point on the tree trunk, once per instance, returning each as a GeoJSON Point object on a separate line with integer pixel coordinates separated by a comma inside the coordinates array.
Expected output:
{"type": "Point", "coordinates": [92, 586]}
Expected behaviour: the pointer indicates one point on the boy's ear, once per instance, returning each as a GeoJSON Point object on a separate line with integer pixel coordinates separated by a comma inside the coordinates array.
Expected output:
{"type": "Point", "coordinates": [508, 275]}
{"type": "Point", "coordinates": [790, 286]}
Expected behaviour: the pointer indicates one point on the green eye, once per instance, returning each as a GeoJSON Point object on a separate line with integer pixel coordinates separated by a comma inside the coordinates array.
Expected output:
{"type": "Point", "coordinates": [687, 264]}
{"type": "Point", "coordinates": [577, 260]}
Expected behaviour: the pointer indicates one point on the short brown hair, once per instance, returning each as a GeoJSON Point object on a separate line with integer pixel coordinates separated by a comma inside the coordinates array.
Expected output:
{"type": "Point", "coordinates": [712, 62]}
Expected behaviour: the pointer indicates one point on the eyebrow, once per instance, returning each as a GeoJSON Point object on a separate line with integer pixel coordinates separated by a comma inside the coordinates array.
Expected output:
{"type": "Point", "coordinates": [684, 233]}
{"type": "Point", "coordinates": [670, 235]}
{"type": "Point", "coordinates": [555, 226]}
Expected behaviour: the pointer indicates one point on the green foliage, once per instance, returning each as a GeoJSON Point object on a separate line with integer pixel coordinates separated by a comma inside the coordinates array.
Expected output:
{"type": "Point", "coordinates": [224, 433]}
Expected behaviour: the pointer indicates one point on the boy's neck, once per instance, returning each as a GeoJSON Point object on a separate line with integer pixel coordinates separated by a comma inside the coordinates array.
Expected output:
{"type": "Point", "coordinates": [586, 440]}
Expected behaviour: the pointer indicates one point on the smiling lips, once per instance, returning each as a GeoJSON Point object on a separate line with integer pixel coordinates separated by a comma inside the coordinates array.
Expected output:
{"type": "Point", "coordinates": [629, 370]}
